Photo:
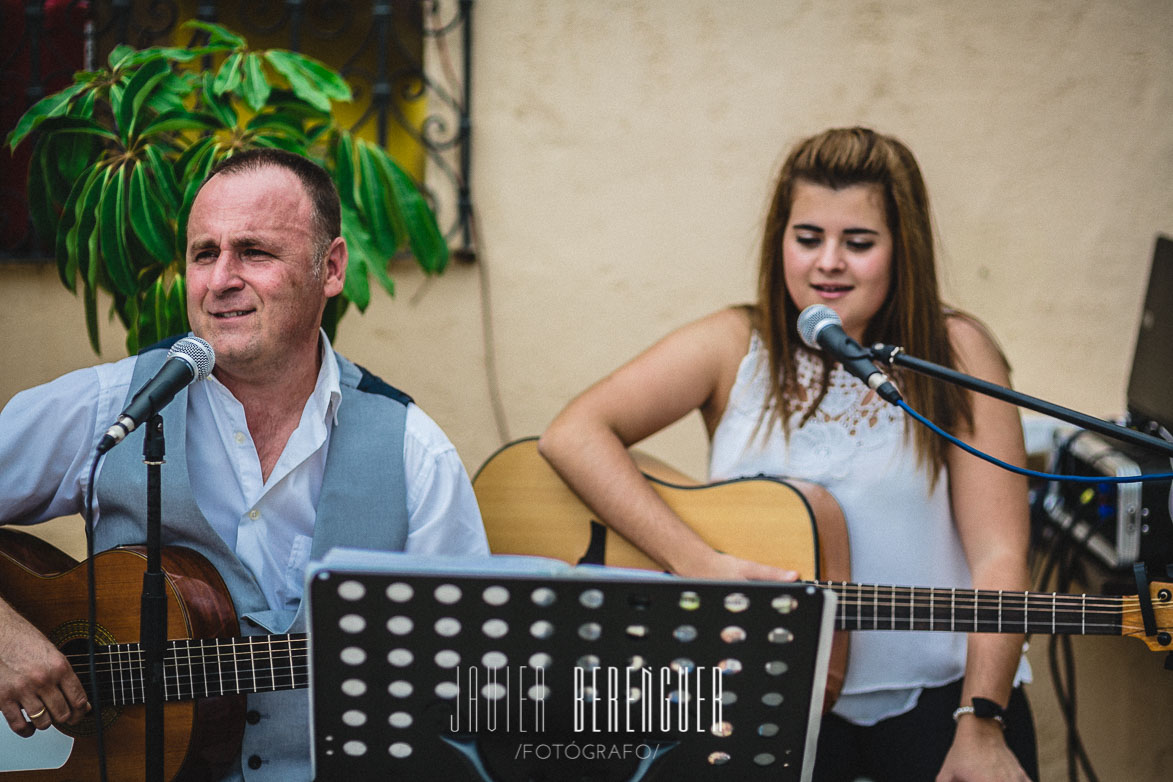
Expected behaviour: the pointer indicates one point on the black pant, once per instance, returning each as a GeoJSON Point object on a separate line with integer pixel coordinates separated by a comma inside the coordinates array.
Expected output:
{"type": "Point", "coordinates": [912, 746]}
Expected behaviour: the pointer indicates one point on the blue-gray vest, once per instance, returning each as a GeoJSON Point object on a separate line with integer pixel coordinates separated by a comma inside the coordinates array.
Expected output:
{"type": "Point", "coordinates": [363, 504]}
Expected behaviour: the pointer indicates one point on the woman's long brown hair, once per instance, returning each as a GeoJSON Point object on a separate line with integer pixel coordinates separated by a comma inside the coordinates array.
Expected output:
{"type": "Point", "coordinates": [911, 316]}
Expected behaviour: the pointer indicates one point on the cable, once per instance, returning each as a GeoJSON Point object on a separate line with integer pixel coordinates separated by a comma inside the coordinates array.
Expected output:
{"type": "Point", "coordinates": [1164, 476]}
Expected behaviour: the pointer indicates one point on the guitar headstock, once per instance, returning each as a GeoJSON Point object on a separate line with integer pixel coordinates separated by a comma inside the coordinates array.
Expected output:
{"type": "Point", "coordinates": [1132, 620]}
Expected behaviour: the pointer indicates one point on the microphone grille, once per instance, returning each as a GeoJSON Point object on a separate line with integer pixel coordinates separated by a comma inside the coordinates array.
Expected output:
{"type": "Point", "coordinates": [814, 319]}
{"type": "Point", "coordinates": [196, 352]}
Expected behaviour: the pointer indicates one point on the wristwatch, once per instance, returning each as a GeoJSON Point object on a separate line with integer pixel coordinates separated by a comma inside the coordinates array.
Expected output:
{"type": "Point", "coordinates": [983, 708]}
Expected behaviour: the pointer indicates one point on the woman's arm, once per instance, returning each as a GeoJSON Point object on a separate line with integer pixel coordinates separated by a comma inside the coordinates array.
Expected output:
{"type": "Point", "coordinates": [990, 507]}
{"type": "Point", "coordinates": [692, 368]}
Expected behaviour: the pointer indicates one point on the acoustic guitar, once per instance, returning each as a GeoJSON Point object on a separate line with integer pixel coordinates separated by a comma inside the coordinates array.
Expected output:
{"type": "Point", "coordinates": [527, 509]}
{"type": "Point", "coordinates": [208, 667]}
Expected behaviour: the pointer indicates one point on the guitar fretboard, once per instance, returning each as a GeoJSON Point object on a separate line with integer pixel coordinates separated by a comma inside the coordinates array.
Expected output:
{"type": "Point", "coordinates": [867, 607]}
{"type": "Point", "coordinates": [200, 668]}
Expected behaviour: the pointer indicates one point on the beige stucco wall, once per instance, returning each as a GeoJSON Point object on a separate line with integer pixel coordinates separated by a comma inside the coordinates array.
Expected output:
{"type": "Point", "coordinates": [623, 154]}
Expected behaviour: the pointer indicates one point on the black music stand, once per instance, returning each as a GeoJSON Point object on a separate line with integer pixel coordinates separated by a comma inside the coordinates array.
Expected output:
{"type": "Point", "coordinates": [509, 669]}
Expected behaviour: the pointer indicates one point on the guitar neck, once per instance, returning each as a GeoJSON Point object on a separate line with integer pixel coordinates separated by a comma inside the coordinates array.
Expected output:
{"type": "Point", "coordinates": [200, 668]}
{"type": "Point", "coordinates": [866, 607]}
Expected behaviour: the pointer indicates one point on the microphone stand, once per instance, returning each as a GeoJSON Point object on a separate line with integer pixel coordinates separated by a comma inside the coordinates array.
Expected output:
{"type": "Point", "coordinates": [153, 620]}
{"type": "Point", "coordinates": [895, 356]}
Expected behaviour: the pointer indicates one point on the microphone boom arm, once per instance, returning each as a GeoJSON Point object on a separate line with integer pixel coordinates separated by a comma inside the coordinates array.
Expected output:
{"type": "Point", "coordinates": [895, 356]}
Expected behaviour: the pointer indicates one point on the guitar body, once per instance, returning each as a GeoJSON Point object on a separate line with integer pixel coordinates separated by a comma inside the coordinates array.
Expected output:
{"type": "Point", "coordinates": [202, 737]}
{"type": "Point", "coordinates": [527, 509]}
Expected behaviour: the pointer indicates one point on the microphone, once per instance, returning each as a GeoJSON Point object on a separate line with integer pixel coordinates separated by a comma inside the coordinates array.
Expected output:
{"type": "Point", "coordinates": [189, 360]}
{"type": "Point", "coordinates": [821, 328]}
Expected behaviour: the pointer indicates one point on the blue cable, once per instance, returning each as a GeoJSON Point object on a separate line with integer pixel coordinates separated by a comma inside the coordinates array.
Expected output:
{"type": "Point", "coordinates": [1164, 476]}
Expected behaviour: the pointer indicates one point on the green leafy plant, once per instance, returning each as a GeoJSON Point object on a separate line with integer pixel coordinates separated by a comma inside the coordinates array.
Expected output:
{"type": "Point", "coordinates": [119, 154]}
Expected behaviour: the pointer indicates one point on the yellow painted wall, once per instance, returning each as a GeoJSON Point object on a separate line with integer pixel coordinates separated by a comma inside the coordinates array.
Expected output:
{"type": "Point", "coordinates": [622, 158]}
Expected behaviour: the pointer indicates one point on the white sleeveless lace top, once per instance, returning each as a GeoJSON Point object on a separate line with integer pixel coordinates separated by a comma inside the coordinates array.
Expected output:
{"type": "Point", "coordinates": [900, 528]}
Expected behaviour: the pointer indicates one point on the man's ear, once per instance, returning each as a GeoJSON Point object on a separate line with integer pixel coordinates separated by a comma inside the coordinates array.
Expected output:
{"type": "Point", "coordinates": [334, 267]}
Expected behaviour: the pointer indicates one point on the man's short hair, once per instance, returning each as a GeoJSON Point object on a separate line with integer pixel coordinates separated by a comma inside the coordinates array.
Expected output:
{"type": "Point", "coordinates": [327, 211]}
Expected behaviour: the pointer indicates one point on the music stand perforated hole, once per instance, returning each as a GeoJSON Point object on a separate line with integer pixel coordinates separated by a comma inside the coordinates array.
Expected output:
{"type": "Point", "coordinates": [400, 689]}
{"type": "Point", "coordinates": [590, 631]}
{"type": "Point", "coordinates": [448, 594]}
{"type": "Point", "coordinates": [400, 625]}
{"type": "Point", "coordinates": [354, 718]}
{"type": "Point", "coordinates": [541, 629]}
{"type": "Point", "coordinates": [354, 687]}
{"type": "Point", "coordinates": [685, 633]}
{"type": "Point", "coordinates": [689, 600]}
{"type": "Point", "coordinates": [400, 750]}
{"type": "Point", "coordinates": [399, 592]}
{"type": "Point", "coordinates": [540, 660]}
{"type": "Point", "coordinates": [543, 596]}
{"type": "Point", "coordinates": [736, 602]}
{"type": "Point", "coordinates": [495, 628]}
{"type": "Point", "coordinates": [718, 758]}
{"type": "Point", "coordinates": [400, 658]}
{"type": "Point", "coordinates": [447, 627]}
{"type": "Point", "coordinates": [733, 634]}
{"type": "Point", "coordinates": [772, 699]}
{"type": "Point", "coordinates": [352, 624]}
{"type": "Point", "coordinates": [777, 667]}
{"type": "Point", "coordinates": [400, 719]}
{"type": "Point", "coordinates": [447, 658]}
{"type": "Point", "coordinates": [591, 598]}
{"type": "Point", "coordinates": [351, 590]}
{"type": "Point", "coordinates": [768, 730]}
{"type": "Point", "coordinates": [495, 595]}
{"type": "Point", "coordinates": [447, 690]}
{"type": "Point", "coordinates": [764, 759]}
{"type": "Point", "coordinates": [784, 604]}
{"type": "Point", "coordinates": [780, 635]}
{"type": "Point", "coordinates": [353, 655]}
{"type": "Point", "coordinates": [494, 659]}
